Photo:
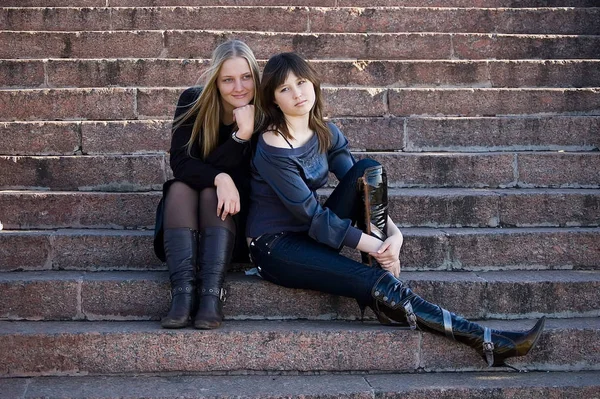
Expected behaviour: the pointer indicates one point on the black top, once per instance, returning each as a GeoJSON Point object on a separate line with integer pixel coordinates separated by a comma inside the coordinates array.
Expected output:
{"type": "Point", "coordinates": [229, 156]}
{"type": "Point", "coordinates": [283, 190]}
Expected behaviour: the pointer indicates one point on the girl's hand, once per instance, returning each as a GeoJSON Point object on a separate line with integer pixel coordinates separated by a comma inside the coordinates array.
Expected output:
{"type": "Point", "coordinates": [388, 253]}
{"type": "Point", "coordinates": [228, 196]}
{"type": "Point", "coordinates": [394, 268]}
{"type": "Point", "coordinates": [244, 116]}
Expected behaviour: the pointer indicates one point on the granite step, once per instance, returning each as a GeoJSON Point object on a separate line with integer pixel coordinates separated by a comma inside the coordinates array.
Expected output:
{"type": "Point", "coordinates": [306, 3]}
{"type": "Point", "coordinates": [383, 46]}
{"type": "Point", "coordinates": [566, 21]}
{"type": "Point", "coordinates": [410, 134]}
{"type": "Point", "coordinates": [157, 72]}
{"type": "Point", "coordinates": [437, 208]}
{"type": "Point", "coordinates": [126, 173]}
{"type": "Point", "coordinates": [465, 249]}
{"type": "Point", "coordinates": [75, 348]}
{"type": "Point", "coordinates": [118, 296]}
{"type": "Point", "coordinates": [152, 103]}
{"type": "Point", "coordinates": [533, 385]}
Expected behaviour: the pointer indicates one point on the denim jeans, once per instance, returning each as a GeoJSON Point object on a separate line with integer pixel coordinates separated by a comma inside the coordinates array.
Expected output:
{"type": "Point", "coordinates": [295, 260]}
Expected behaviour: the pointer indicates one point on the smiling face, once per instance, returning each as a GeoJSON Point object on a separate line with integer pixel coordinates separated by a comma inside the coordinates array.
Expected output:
{"type": "Point", "coordinates": [235, 84]}
{"type": "Point", "coordinates": [295, 96]}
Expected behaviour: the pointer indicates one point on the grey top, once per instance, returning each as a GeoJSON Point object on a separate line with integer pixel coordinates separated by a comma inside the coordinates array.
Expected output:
{"type": "Point", "coordinates": [283, 191]}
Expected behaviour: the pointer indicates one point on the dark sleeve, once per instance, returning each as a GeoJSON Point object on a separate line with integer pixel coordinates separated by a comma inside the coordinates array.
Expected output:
{"type": "Point", "coordinates": [283, 177]}
{"type": "Point", "coordinates": [339, 158]}
{"type": "Point", "coordinates": [192, 170]}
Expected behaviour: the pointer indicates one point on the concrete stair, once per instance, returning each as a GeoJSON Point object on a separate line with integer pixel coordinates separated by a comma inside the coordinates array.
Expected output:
{"type": "Point", "coordinates": [485, 113]}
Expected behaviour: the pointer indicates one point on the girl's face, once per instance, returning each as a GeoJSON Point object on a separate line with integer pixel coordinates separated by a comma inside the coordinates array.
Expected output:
{"type": "Point", "coordinates": [296, 96]}
{"type": "Point", "coordinates": [235, 83]}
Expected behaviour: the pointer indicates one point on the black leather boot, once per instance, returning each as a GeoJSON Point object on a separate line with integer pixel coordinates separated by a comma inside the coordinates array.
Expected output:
{"type": "Point", "coordinates": [375, 198]}
{"type": "Point", "coordinates": [399, 303]}
{"type": "Point", "coordinates": [214, 254]}
{"type": "Point", "coordinates": [180, 251]}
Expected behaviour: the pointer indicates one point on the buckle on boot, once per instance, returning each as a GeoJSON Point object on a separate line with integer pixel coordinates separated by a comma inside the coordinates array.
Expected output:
{"type": "Point", "coordinates": [222, 295]}
{"type": "Point", "coordinates": [411, 317]}
{"type": "Point", "coordinates": [488, 346]}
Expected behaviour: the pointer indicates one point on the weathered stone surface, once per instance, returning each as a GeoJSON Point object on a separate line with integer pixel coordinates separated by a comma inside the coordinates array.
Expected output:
{"type": "Point", "coordinates": [100, 44]}
{"type": "Point", "coordinates": [190, 44]}
{"type": "Point", "coordinates": [68, 104]}
{"type": "Point", "coordinates": [503, 133]}
{"type": "Point", "coordinates": [375, 134]}
{"type": "Point", "coordinates": [138, 347]}
{"type": "Point", "coordinates": [126, 137]}
{"type": "Point", "coordinates": [446, 169]}
{"type": "Point", "coordinates": [537, 248]}
{"type": "Point", "coordinates": [24, 250]}
{"type": "Point", "coordinates": [533, 385]}
{"type": "Point", "coordinates": [86, 173]}
{"type": "Point", "coordinates": [55, 19]}
{"type": "Point", "coordinates": [444, 208]}
{"type": "Point", "coordinates": [39, 296]}
{"type": "Point", "coordinates": [17, 73]}
{"type": "Point", "coordinates": [42, 210]}
{"type": "Point", "coordinates": [547, 73]}
{"type": "Point", "coordinates": [104, 250]}
{"type": "Point", "coordinates": [39, 138]}
{"type": "Point", "coordinates": [559, 169]}
{"type": "Point", "coordinates": [125, 72]}
{"type": "Point", "coordinates": [145, 295]}
{"type": "Point", "coordinates": [253, 346]}
{"type": "Point", "coordinates": [296, 19]}
{"type": "Point", "coordinates": [116, 296]}
{"type": "Point", "coordinates": [571, 207]}
{"type": "Point", "coordinates": [501, 46]}
{"type": "Point", "coordinates": [487, 102]}
{"type": "Point", "coordinates": [535, 293]}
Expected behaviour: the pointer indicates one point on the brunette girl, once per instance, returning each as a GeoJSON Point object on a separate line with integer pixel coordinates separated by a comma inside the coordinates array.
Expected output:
{"type": "Point", "coordinates": [295, 242]}
{"type": "Point", "coordinates": [204, 206]}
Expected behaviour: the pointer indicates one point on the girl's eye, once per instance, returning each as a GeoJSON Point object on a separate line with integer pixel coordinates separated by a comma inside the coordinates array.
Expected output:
{"type": "Point", "coordinates": [283, 89]}
{"type": "Point", "coordinates": [227, 80]}
{"type": "Point", "coordinates": [301, 82]}
{"type": "Point", "coordinates": [247, 77]}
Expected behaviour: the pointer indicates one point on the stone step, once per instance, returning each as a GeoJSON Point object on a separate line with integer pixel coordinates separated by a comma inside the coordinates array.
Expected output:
{"type": "Point", "coordinates": [305, 3]}
{"type": "Point", "coordinates": [152, 103]}
{"type": "Point", "coordinates": [567, 21]}
{"type": "Point", "coordinates": [121, 296]}
{"type": "Point", "coordinates": [384, 46]}
{"type": "Point", "coordinates": [437, 208]}
{"type": "Point", "coordinates": [125, 173]}
{"type": "Point", "coordinates": [466, 249]}
{"type": "Point", "coordinates": [152, 72]}
{"type": "Point", "coordinates": [533, 385]}
{"type": "Point", "coordinates": [75, 348]}
{"type": "Point", "coordinates": [411, 134]}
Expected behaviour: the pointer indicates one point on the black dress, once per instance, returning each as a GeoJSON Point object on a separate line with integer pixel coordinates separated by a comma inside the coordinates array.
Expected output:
{"type": "Point", "coordinates": [229, 156]}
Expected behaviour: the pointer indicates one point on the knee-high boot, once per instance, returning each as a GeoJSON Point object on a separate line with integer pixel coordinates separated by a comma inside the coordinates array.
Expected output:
{"type": "Point", "coordinates": [180, 251]}
{"type": "Point", "coordinates": [214, 254]}
{"type": "Point", "coordinates": [398, 302]}
{"type": "Point", "coordinates": [375, 198]}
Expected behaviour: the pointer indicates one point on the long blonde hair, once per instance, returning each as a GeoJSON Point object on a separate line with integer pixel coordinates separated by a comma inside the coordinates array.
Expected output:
{"type": "Point", "coordinates": [207, 106]}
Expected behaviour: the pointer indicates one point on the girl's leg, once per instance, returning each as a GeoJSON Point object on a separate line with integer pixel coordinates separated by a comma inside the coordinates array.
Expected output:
{"type": "Point", "coordinates": [180, 245]}
{"type": "Point", "coordinates": [215, 248]}
{"type": "Point", "coordinates": [297, 261]}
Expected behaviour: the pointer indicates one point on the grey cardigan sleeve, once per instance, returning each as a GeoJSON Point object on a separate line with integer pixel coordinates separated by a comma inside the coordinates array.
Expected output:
{"type": "Point", "coordinates": [282, 175]}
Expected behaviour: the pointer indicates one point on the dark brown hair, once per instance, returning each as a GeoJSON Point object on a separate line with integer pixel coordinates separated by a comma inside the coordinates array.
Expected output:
{"type": "Point", "coordinates": [274, 75]}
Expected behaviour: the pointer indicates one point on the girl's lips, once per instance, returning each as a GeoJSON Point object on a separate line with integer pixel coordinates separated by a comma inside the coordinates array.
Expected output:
{"type": "Point", "coordinates": [239, 96]}
{"type": "Point", "coordinates": [301, 103]}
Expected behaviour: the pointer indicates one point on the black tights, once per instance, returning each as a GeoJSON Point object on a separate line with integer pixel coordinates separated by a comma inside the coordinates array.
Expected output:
{"type": "Point", "coordinates": [186, 207]}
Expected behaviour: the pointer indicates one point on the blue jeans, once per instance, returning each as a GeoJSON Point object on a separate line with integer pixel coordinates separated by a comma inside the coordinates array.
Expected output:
{"type": "Point", "coordinates": [295, 260]}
